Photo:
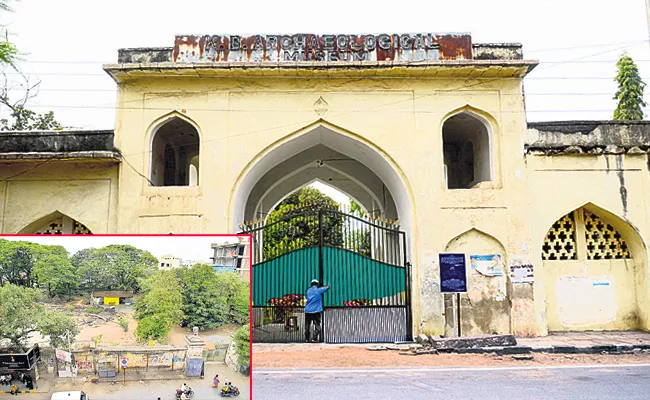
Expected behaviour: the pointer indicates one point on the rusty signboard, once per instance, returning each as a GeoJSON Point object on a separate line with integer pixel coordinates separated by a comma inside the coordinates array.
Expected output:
{"type": "Point", "coordinates": [322, 48]}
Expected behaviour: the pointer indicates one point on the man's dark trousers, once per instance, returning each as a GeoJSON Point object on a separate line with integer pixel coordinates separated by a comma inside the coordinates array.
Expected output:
{"type": "Point", "coordinates": [316, 318]}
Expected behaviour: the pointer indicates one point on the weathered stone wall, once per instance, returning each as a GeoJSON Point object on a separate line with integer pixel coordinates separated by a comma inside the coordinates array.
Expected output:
{"type": "Point", "coordinates": [56, 141]}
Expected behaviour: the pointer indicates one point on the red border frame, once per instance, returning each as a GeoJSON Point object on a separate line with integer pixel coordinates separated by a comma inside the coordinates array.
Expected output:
{"type": "Point", "coordinates": [250, 271]}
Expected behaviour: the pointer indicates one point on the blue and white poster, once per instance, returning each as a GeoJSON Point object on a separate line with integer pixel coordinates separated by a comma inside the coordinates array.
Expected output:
{"type": "Point", "coordinates": [488, 265]}
{"type": "Point", "coordinates": [453, 275]}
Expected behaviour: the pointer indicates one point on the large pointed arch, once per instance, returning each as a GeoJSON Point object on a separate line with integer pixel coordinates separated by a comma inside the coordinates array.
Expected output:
{"type": "Point", "coordinates": [339, 139]}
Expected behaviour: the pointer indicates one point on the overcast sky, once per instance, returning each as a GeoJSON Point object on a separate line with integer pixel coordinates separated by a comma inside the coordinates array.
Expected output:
{"type": "Point", "coordinates": [195, 248]}
{"type": "Point", "coordinates": [68, 40]}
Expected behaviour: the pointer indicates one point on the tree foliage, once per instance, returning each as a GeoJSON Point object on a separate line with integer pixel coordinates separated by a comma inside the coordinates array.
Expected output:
{"type": "Point", "coordinates": [59, 327]}
{"type": "Point", "coordinates": [243, 345]}
{"type": "Point", "coordinates": [24, 119]}
{"type": "Point", "coordinates": [294, 223]}
{"type": "Point", "coordinates": [160, 306]}
{"type": "Point", "coordinates": [20, 313]}
{"type": "Point", "coordinates": [630, 90]}
{"type": "Point", "coordinates": [114, 267]}
{"type": "Point", "coordinates": [19, 258]}
{"type": "Point", "coordinates": [237, 295]}
{"type": "Point", "coordinates": [57, 273]}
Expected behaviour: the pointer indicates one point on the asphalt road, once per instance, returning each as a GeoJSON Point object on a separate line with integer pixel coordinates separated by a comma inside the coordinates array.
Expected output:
{"type": "Point", "coordinates": [574, 382]}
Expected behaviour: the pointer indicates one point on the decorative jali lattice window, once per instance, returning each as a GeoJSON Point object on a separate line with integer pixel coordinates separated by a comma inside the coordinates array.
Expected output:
{"type": "Point", "coordinates": [53, 228]}
{"type": "Point", "coordinates": [560, 241]}
{"type": "Point", "coordinates": [603, 240]}
{"type": "Point", "coordinates": [63, 225]}
{"type": "Point", "coordinates": [80, 229]}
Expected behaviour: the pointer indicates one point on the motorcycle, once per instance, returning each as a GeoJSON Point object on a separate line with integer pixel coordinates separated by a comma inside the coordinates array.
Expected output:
{"type": "Point", "coordinates": [229, 390]}
{"type": "Point", "coordinates": [189, 392]}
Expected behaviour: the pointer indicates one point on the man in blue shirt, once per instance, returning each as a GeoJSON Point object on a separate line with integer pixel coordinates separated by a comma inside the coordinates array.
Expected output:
{"type": "Point", "coordinates": [314, 310]}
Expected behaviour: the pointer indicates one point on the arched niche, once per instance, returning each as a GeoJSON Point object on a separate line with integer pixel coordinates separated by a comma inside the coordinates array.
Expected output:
{"type": "Point", "coordinates": [485, 308]}
{"type": "Point", "coordinates": [594, 265]}
{"type": "Point", "coordinates": [468, 150]}
{"type": "Point", "coordinates": [175, 144]}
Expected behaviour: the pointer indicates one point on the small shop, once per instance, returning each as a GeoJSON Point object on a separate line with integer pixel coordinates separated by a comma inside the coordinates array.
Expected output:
{"type": "Point", "coordinates": [112, 297]}
{"type": "Point", "coordinates": [20, 368]}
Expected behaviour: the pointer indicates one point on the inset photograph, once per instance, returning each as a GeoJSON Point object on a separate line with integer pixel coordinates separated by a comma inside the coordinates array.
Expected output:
{"type": "Point", "coordinates": [125, 317]}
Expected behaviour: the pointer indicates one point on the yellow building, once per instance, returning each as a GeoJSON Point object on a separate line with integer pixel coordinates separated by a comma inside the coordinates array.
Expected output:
{"type": "Point", "coordinates": [428, 130]}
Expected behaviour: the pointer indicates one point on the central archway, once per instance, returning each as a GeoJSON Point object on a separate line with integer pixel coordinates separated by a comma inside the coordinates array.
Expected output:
{"type": "Point", "coordinates": [354, 166]}
{"type": "Point", "coordinates": [379, 173]}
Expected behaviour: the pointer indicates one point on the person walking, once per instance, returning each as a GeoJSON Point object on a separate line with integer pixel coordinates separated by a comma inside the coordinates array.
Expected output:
{"type": "Point", "coordinates": [314, 310]}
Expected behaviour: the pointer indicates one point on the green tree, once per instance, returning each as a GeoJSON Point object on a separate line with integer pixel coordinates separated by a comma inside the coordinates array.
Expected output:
{"type": "Point", "coordinates": [20, 313]}
{"type": "Point", "coordinates": [59, 327]}
{"type": "Point", "coordinates": [24, 119]}
{"type": "Point", "coordinates": [237, 294]}
{"type": "Point", "coordinates": [160, 306]}
{"type": "Point", "coordinates": [356, 208]}
{"type": "Point", "coordinates": [18, 259]}
{"type": "Point", "coordinates": [57, 273]}
{"type": "Point", "coordinates": [114, 267]}
{"type": "Point", "coordinates": [630, 90]}
{"type": "Point", "coordinates": [205, 300]}
{"type": "Point", "coordinates": [293, 224]}
{"type": "Point", "coordinates": [243, 344]}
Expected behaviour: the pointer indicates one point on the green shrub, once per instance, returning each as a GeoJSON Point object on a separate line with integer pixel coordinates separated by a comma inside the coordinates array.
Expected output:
{"type": "Point", "coordinates": [243, 344]}
{"type": "Point", "coordinates": [93, 309]}
{"type": "Point", "coordinates": [124, 323]}
{"type": "Point", "coordinates": [70, 308]}
{"type": "Point", "coordinates": [151, 327]}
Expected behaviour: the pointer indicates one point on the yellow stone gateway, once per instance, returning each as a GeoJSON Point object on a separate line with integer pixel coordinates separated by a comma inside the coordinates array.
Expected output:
{"type": "Point", "coordinates": [427, 131]}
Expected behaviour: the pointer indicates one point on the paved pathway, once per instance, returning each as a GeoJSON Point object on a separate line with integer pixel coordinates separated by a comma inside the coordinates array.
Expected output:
{"type": "Point", "coordinates": [575, 382]}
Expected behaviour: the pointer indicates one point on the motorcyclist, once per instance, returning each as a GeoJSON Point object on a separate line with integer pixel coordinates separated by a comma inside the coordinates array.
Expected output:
{"type": "Point", "coordinates": [185, 396]}
{"type": "Point", "coordinates": [185, 388]}
{"type": "Point", "coordinates": [226, 386]}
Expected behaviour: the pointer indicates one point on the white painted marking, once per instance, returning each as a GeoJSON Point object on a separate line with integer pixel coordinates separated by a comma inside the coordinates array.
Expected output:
{"type": "Point", "coordinates": [262, 371]}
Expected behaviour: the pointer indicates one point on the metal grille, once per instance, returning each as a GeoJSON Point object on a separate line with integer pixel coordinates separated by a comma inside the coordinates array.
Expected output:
{"type": "Point", "coordinates": [365, 325]}
{"type": "Point", "coordinates": [560, 241]}
{"type": "Point", "coordinates": [604, 242]}
{"type": "Point", "coordinates": [363, 260]}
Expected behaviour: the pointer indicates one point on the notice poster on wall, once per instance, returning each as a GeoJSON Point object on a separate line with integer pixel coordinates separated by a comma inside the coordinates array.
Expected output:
{"type": "Point", "coordinates": [487, 265]}
{"type": "Point", "coordinates": [522, 273]}
{"type": "Point", "coordinates": [453, 275]}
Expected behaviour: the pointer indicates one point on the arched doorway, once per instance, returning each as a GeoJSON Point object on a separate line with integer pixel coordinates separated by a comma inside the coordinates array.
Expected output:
{"type": "Point", "coordinates": [369, 288]}
{"type": "Point", "coordinates": [594, 266]}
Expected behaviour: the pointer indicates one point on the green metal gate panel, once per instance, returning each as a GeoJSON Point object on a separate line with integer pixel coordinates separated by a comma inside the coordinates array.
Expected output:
{"type": "Point", "coordinates": [287, 274]}
{"type": "Point", "coordinates": [355, 277]}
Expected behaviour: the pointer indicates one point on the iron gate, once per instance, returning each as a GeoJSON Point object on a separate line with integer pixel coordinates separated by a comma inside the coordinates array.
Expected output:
{"type": "Point", "coordinates": [364, 262]}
